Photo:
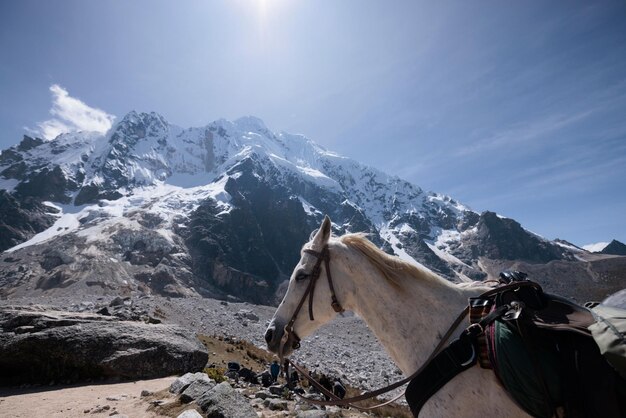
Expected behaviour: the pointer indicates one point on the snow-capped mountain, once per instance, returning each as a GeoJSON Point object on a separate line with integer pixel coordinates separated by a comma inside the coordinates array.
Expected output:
{"type": "Point", "coordinates": [226, 207]}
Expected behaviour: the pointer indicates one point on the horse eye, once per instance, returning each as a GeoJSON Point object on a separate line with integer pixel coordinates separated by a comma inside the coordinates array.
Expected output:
{"type": "Point", "coordinates": [301, 275]}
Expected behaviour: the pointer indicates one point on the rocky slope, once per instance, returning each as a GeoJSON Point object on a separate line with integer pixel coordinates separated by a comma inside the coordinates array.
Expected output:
{"type": "Point", "coordinates": [151, 208]}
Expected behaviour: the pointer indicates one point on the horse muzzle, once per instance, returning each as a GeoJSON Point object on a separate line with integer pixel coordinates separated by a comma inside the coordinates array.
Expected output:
{"type": "Point", "coordinates": [281, 341]}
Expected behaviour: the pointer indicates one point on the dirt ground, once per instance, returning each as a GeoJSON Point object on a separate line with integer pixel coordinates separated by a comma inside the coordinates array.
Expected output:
{"type": "Point", "coordinates": [96, 400]}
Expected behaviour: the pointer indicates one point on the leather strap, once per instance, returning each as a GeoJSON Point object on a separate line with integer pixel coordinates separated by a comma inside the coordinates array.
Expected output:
{"type": "Point", "coordinates": [459, 356]}
{"type": "Point", "coordinates": [324, 255]}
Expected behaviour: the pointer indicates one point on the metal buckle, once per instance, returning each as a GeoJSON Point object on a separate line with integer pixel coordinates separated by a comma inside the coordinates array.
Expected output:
{"type": "Point", "coordinates": [472, 357]}
{"type": "Point", "coordinates": [515, 311]}
{"type": "Point", "coordinates": [475, 330]}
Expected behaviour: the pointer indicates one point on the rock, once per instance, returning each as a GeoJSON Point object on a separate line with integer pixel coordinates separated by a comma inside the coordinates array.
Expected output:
{"type": "Point", "coordinates": [183, 382]}
{"type": "Point", "coordinates": [146, 392]}
{"type": "Point", "coordinates": [257, 403]}
{"type": "Point", "coordinates": [247, 314]}
{"type": "Point", "coordinates": [197, 389]}
{"type": "Point", "coordinates": [224, 402]}
{"type": "Point", "coordinates": [73, 346]}
{"type": "Point", "coordinates": [276, 390]}
{"type": "Point", "coordinates": [277, 404]}
{"type": "Point", "coordinates": [25, 329]}
{"type": "Point", "coordinates": [100, 409]}
{"type": "Point", "coordinates": [53, 258]}
{"type": "Point", "coordinates": [313, 413]}
{"type": "Point", "coordinates": [190, 413]}
{"type": "Point", "coordinates": [262, 394]}
{"type": "Point", "coordinates": [104, 311]}
{"type": "Point", "coordinates": [116, 398]}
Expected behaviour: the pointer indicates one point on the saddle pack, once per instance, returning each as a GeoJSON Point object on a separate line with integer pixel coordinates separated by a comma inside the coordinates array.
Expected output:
{"type": "Point", "coordinates": [554, 357]}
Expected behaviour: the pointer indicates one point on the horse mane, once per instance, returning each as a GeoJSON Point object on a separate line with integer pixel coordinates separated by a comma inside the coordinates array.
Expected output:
{"type": "Point", "coordinates": [392, 268]}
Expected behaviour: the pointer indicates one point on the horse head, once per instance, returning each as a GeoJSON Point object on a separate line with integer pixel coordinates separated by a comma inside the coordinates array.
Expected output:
{"type": "Point", "coordinates": [310, 300]}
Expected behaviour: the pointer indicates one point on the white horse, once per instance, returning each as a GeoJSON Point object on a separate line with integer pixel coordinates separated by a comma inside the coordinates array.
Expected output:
{"type": "Point", "coordinates": [407, 307]}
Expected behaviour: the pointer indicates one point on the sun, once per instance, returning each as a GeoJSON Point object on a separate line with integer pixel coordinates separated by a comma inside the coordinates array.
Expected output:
{"type": "Point", "coordinates": [263, 7]}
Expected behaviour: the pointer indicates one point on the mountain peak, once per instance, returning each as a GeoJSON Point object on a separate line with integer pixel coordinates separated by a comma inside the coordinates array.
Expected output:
{"type": "Point", "coordinates": [251, 123]}
{"type": "Point", "coordinates": [151, 118]}
{"type": "Point", "coordinates": [136, 125]}
{"type": "Point", "coordinates": [28, 143]}
{"type": "Point", "coordinates": [614, 248]}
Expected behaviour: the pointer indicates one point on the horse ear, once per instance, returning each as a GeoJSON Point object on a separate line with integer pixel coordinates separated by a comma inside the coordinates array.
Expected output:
{"type": "Point", "coordinates": [325, 229]}
{"type": "Point", "coordinates": [322, 234]}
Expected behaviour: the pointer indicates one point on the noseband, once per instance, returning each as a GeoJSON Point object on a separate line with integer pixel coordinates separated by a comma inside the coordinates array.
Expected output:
{"type": "Point", "coordinates": [324, 256]}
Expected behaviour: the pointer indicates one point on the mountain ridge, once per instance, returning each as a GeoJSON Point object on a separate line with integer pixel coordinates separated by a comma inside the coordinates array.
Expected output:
{"type": "Point", "coordinates": [227, 206]}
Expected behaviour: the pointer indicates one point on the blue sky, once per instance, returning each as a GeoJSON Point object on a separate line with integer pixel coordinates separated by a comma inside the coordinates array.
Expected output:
{"type": "Point", "coordinates": [514, 107]}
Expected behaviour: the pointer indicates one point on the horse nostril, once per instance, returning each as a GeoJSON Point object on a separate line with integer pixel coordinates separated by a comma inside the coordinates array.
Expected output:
{"type": "Point", "coordinates": [269, 335]}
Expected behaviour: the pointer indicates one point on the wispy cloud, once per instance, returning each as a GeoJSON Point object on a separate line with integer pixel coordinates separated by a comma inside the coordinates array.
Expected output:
{"type": "Point", "coordinates": [558, 180]}
{"type": "Point", "coordinates": [70, 115]}
{"type": "Point", "coordinates": [536, 130]}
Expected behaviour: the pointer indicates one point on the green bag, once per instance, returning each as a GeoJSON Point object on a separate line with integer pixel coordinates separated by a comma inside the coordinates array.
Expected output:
{"type": "Point", "coordinates": [609, 332]}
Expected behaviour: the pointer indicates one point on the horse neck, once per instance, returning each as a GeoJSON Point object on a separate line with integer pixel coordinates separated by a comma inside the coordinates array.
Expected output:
{"type": "Point", "coordinates": [409, 319]}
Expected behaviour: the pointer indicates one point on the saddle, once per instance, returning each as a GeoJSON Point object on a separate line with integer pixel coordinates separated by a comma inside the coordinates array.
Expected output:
{"type": "Point", "coordinates": [541, 349]}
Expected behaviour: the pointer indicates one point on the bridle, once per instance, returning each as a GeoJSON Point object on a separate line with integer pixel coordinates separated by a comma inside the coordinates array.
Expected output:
{"type": "Point", "coordinates": [324, 256]}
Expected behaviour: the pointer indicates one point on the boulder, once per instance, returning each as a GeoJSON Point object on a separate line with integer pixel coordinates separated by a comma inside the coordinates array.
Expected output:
{"type": "Point", "coordinates": [40, 346]}
{"type": "Point", "coordinates": [196, 389]}
{"type": "Point", "coordinates": [183, 382]}
{"type": "Point", "coordinates": [224, 402]}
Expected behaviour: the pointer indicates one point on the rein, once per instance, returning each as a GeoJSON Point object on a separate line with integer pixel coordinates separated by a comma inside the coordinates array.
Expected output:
{"type": "Point", "coordinates": [324, 256]}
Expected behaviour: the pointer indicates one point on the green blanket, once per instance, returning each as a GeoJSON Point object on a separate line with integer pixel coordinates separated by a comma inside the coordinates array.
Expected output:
{"type": "Point", "coordinates": [515, 366]}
